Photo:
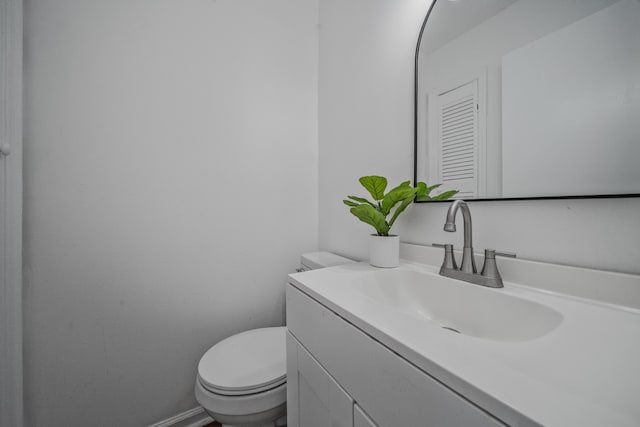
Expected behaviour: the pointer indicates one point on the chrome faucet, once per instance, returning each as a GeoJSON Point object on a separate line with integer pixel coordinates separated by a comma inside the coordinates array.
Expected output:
{"type": "Point", "coordinates": [468, 260]}
{"type": "Point", "coordinates": [490, 276]}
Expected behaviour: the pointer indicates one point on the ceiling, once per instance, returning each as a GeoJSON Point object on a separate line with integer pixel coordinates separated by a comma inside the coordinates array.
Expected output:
{"type": "Point", "coordinates": [450, 18]}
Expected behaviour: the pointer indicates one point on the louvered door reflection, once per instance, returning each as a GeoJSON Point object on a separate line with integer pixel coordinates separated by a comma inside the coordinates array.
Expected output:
{"type": "Point", "coordinates": [458, 139]}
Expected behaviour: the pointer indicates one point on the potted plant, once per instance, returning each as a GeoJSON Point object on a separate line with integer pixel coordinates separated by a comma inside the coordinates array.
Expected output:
{"type": "Point", "coordinates": [384, 210]}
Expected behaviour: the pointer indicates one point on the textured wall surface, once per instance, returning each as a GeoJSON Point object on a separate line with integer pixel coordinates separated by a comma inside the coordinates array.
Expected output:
{"type": "Point", "coordinates": [170, 187]}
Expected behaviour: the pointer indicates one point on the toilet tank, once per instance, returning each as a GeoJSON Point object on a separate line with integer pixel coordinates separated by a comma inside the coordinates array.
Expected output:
{"type": "Point", "coordinates": [315, 260]}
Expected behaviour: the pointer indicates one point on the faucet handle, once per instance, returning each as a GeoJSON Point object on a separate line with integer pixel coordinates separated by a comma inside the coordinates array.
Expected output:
{"type": "Point", "coordinates": [502, 254]}
{"type": "Point", "coordinates": [490, 268]}
{"type": "Point", "coordinates": [449, 261]}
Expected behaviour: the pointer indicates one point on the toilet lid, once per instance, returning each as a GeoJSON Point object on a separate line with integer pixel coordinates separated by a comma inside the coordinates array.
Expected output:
{"type": "Point", "coordinates": [246, 362]}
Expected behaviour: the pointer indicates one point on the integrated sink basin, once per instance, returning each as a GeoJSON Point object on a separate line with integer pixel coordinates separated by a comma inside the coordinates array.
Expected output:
{"type": "Point", "coordinates": [457, 306]}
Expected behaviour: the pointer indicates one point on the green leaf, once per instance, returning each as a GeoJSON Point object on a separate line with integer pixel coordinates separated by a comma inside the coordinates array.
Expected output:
{"type": "Point", "coordinates": [445, 195]}
{"type": "Point", "coordinates": [375, 185]}
{"type": "Point", "coordinates": [396, 196]}
{"type": "Point", "coordinates": [394, 202]}
{"type": "Point", "coordinates": [430, 189]}
{"type": "Point", "coordinates": [403, 185]}
{"type": "Point", "coordinates": [368, 214]}
{"type": "Point", "coordinates": [361, 200]}
{"type": "Point", "coordinates": [424, 190]}
{"type": "Point", "coordinates": [400, 209]}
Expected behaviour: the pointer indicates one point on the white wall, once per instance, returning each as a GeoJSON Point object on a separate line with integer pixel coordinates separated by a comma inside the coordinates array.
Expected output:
{"type": "Point", "coordinates": [170, 186]}
{"type": "Point", "coordinates": [365, 127]}
{"type": "Point", "coordinates": [366, 106]}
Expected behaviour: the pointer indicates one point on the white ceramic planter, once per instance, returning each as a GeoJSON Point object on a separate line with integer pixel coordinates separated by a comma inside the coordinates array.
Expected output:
{"type": "Point", "coordinates": [384, 251]}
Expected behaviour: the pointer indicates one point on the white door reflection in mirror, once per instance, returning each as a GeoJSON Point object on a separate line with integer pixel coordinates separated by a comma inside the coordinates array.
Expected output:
{"type": "Point", "coordinates": [454, 155]}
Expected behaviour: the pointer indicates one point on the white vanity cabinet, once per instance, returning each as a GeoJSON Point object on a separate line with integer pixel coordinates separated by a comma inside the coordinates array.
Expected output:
{"type": "Point", "coordinates": [339, 376]}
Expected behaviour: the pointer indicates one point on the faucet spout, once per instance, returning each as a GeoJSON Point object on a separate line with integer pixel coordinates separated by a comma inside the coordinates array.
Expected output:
{"type": "Point", "coordinates": [468, 261]}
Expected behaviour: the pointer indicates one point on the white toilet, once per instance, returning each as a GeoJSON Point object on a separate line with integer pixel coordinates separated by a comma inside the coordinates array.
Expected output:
{"type": "Point", "coordinates": [242, 380]}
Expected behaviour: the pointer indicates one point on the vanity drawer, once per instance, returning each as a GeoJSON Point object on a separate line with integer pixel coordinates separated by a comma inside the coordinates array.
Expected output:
{"type": "Point", "coordinates": [392, 391]}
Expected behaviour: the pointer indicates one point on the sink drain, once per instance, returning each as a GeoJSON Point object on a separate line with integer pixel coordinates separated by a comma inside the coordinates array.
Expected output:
{"type": "Point", "coordinates": [449, 328]}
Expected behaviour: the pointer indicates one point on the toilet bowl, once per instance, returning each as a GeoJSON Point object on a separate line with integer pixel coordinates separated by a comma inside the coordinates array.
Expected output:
{"type": "Point", "coordinates": [242, 379]}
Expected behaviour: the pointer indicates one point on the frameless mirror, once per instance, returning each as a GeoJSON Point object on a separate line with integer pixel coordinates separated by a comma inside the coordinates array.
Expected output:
{"type": "Point", "coordinates": [529, 98]}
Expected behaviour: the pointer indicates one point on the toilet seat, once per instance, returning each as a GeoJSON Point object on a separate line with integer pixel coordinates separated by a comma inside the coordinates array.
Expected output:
{"type": "Point", "coordinates": [247, 363]}
{"type": "Point", "coordinates": [232, 410]}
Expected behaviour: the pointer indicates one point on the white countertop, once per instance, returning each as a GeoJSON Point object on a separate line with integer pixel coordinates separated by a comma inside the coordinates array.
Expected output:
{"type": "Point", "coordinates": [585, 372]}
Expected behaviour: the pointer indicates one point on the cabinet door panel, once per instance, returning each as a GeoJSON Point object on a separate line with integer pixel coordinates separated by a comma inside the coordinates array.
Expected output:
{"type": "Point", "coordinates": [320, 401]}
{"type": "Point", "coordinates": [360, 419]}
{"type": "Point", "coordinates": [313, 412]}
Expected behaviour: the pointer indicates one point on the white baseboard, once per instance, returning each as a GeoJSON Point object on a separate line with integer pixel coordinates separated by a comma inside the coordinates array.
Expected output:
{"type": "Point", "coordinates": [195, 417]}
